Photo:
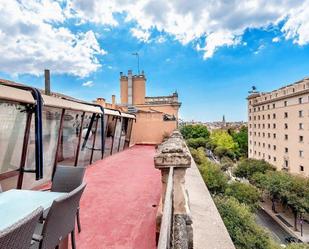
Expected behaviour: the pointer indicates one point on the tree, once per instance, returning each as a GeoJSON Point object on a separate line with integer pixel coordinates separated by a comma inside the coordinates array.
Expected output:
{"type": "Point", "coordinates": [241, 138]}
{"type": "Point", "coordinates": [244, 193]}
{"type": "Point", "coordinates": [296, 196]}
{"type": "Point", "coordinates": [198, 155]}
{"type": "Point", "coordinates": [226, 163]}
{"type": "Point", "coordinates": [194, 131]}
{"type": "Point", "coordinates": [197, 142]}
{"type": "Point", "coordinates": [248, 167]}
{"type": "Point", "coordinates": [297, 246]}
{"type": "Point", "coordinates": [222, 139]}
{"type": "Point", "coordinates": [214, 178]}
{"type": "Point", "coordinates": [241, 225]}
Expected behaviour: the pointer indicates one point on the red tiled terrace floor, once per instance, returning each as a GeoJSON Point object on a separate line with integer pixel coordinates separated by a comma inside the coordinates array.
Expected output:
{"type": "Point", "coordinates": [117, 206]}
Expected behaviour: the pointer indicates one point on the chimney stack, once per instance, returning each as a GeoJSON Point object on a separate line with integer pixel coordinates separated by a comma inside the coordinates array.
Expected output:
{"type": "Point", "coordinates": [47, 81]}
{"type": "Point", "coordinates": [113, 101]}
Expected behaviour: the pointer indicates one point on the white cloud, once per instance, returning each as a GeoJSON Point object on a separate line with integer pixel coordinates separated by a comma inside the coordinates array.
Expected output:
{"type": "Point", "coordinates": [34, 34]}
{"type": "Point", "coordinates": [297, 25]}
{"type": "Point", "coordinates": [88, 83]}
{"type": "Point", "coordinates": [276, 39]}
{"type": "Point", "coordinates": [32, 38]}
{"type": "Point", "coordinates": [142, 35]}
{"type": "Point", "coordinates": [217, 39]}
{"type": "Point", "coordinates": [188, 21]}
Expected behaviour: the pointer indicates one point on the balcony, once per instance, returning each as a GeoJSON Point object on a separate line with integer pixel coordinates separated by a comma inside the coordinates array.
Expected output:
{"type": "Point", "coordinates": [132, 199]}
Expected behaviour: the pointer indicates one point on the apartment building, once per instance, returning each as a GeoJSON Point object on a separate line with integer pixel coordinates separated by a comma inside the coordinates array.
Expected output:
{"type": "Point", "coordinates": [278, 124]}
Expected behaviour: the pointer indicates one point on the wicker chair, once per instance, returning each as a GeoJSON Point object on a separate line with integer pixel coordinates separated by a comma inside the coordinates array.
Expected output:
{"type": "Point", "coordinates": [19, 235]}
{"type": "Point", "coordinates": [65, 180]}
{"type": "Point", "coordinates": [60, 221]}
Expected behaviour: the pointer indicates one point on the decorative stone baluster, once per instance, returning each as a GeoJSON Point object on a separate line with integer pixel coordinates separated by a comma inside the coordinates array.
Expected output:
{"type": "Point", "coordinates": [174, 153]}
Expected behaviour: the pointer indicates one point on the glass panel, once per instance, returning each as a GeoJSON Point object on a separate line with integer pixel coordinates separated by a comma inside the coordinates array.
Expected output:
{"type": "Point", "coordinates": [124, 130]}
{"type": "Point", "coordinates": [97, 148]}
{"type": "Point", "coordinates": [85, 153]}
{"type": "Point", "coordinates": [70, 136]}
{"type": "Point", "coordinates": [128, 133]}
{"type": "Point", "coordinates": [51, 123]}
{"type": "Point", "coordinates": [12, 129]}
{"type": "Point", "coordinates": [110, 129]}
{"type": "Point", "coordinates": [117, 136]}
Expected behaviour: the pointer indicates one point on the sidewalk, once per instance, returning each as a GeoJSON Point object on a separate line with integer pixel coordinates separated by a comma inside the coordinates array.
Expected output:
{"type": "Point", "coordinates": [286, 220]}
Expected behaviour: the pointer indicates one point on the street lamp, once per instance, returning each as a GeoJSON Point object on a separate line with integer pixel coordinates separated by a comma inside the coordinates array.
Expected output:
{"type": "Point", "coordinates": [137, 55]}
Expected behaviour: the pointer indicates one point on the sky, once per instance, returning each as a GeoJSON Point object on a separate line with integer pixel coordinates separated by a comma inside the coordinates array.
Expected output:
{"type": "Point", "coordinates": [210, 51]}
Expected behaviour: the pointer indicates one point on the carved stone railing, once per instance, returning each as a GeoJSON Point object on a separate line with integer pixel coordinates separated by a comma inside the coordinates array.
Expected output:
{"type": "Point", "coordinates": [174, 223]}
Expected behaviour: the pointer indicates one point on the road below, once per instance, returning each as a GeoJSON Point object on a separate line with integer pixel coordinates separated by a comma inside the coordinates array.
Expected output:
{"type": "Point", "coordinates": [276, 231]}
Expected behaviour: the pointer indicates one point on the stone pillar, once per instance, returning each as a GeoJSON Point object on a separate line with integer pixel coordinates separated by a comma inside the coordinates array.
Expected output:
{"type": "Point", "coordinates": [174, 153]}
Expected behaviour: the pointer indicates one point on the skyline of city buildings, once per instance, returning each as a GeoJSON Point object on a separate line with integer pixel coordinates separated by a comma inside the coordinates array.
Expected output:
{"type": "Point", "coordinates": [278, 123]}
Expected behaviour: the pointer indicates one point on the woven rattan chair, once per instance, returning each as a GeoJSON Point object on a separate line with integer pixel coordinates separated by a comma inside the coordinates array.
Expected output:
{"type": "Point", "coordinates": [19, 235]}
{"type": "Point", "coordinates": [60, 221]}
{"type": "Point", "coordinates": [66, 179]}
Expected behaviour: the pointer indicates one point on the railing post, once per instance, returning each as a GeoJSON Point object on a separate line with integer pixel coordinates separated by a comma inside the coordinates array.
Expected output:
{"type": "Point", "coordinates": [174, 153]}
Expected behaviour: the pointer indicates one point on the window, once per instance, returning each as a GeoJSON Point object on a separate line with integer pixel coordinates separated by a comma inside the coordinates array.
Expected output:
{"type": "Point", "coordinates": [275, 159]}
{"type": "Point", "coordinates": [286, 150]}
{"type": "Point", "coordinates": [263, 126]}
{"type": "Point", "coordinates": [301, 168]}
{"type": "Point", "coordinates": [300, 100]}
{"type": "Point", "coordinates": [274, 126]}
{"type": "Point", "coordinates": [268, 116]}
{"type": "Point", "coordinates": [300, 125]}
{"type": "Point", "coordinates": [274, 115]}
{"type": "Point", "coordinates": [263, 145]}
{"type": "Point", "coordinates": [285, 115]}
{"type": "Point", "coordinates": [269, 157]}
{"type": "Point", "coordinates": [259, 144]}
{"type": "Point", "coordinates": [268, 135]}
{"type": "Point", "coordinates": [285, 103]}
{"type": "Point", "coordinates": [300, 113]}
{"type": "Point", "coordinates": [301, 139]}
{"type": "Point", "coordinates": [301, 153]}
{"type": "Point", "coordinates": [286, 126]}
{"type": "Point", "coordinates": [268, 146]}
{"type": "Point", "coordinates": [263, 134]}
{"type": "Point", "coordinates": [275, 147]}
{"type": "Point", "coordinates": [268, 107]}
{"type": "Point", "coordinates": [259, 153]}
{"type": "Point", "coordinates": [274, 105]}
{"type": "Point", "coordinates": [274, 135]}
{"type": "Point", "coordinates": [286, 137]}
{"type": "Point", "coordinates": [286, 163]}
{"type": "Point", "coordinates": [259, 117]}
{"type": "Point", "coordinates": [268, 126]}
{"type": "Point", "coordinates": [263, 116]}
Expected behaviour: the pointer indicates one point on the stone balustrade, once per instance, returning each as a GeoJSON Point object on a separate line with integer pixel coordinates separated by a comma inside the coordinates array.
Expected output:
{"type": "Point", "coordinates": [173, 153]}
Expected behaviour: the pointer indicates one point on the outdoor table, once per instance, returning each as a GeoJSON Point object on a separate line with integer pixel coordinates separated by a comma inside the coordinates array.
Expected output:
{"type": "Point", "coordinates": [15, 204]}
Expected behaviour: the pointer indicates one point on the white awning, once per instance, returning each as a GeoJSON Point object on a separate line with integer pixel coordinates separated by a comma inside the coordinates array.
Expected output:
{"type": "Point", "coordinates": [69, 105]}
{"type": "Point", "coordinates": [15, 94]}
{"type": "Point", "coordinates": [111, 112]}
{"type": "Point", "coordinates": [127, 115]}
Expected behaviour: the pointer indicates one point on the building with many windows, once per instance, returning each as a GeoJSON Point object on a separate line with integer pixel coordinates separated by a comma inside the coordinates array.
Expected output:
{"type": "Point", "coordinates": [278, 124]}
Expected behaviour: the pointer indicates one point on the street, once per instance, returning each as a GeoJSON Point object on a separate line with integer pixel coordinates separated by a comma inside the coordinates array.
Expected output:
{"type": "Point", "coordinates": [276, 231]}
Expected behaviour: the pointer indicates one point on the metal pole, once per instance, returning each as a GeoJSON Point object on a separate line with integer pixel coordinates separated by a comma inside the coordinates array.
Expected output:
{"type": "Point", "coordinates": [137, 55]}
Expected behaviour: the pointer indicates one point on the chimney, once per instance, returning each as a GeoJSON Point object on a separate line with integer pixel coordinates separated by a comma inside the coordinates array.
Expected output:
{"type": "Point", "coordinates": [130, 88]}
{"type": "Point", "coordinates": [101, 101]}
{"type": "Point", "coordinates": [113, 101]}
{"type": "Point", "coordinates": [47, 81]}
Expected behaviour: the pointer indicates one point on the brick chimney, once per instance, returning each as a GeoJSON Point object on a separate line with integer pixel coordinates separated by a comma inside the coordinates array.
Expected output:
{"type": "Point", "coordinates": [113, 101]}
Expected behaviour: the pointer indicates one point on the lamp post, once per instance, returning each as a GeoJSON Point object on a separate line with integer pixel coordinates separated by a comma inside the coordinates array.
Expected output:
{"type": "Point", "coordinates": [137, 55]}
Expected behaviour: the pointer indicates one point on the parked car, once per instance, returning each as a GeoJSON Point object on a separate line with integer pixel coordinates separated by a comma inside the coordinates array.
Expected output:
{"type": "Point", "coordinates": [292, 239]}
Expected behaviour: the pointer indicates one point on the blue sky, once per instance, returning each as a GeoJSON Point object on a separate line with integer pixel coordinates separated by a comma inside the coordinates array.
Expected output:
{"type": "Point", "coordinates": [211, 66]}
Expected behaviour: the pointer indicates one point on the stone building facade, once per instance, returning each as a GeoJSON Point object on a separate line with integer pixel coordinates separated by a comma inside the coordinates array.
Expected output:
{"type": "Point", "coordinates": [278, 124]}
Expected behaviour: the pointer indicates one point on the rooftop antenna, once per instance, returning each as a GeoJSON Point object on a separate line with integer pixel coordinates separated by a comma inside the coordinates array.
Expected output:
{"type": "Point", "coordinates": [137, 55]}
